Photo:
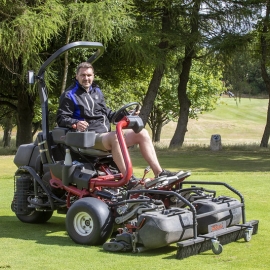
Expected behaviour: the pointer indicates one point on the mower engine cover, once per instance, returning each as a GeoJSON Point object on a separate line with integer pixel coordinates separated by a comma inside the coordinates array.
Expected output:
{"type": "Point", "coordinates": [224, 216]}
{"type": "Point", "coordinates": [158, 229]}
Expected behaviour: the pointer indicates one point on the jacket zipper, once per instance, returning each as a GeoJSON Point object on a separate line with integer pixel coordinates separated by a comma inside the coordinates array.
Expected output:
{"type": "Point", "coordinates": [92, 111]}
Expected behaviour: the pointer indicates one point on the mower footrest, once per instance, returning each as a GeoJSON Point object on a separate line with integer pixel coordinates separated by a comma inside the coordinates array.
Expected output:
{"type": "Point", "coordinates": [116, 246]}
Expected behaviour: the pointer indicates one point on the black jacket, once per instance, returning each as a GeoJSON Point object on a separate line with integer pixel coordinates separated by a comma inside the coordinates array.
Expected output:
{"type": "Point", "coordinates": [76, 104]}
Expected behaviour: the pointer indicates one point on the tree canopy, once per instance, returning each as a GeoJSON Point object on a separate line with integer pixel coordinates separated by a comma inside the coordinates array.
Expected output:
{"type": "Point", "coordinates": [169, 54]}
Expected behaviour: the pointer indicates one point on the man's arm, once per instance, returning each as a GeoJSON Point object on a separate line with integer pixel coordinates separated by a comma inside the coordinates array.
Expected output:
{"type": "Point", "coordinates": [65, 111]}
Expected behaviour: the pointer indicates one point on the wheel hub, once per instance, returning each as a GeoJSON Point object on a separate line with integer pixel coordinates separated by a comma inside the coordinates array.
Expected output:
{"type": "Point", "coordinates": [83, 223]}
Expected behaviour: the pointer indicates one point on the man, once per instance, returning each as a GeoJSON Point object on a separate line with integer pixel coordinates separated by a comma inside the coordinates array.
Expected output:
{"type": "Point", "coordinates": [82, 107]}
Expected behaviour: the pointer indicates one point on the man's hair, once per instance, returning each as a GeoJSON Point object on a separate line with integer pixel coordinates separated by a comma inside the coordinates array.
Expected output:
{"type": "Point", "coordinates": [84, 65]}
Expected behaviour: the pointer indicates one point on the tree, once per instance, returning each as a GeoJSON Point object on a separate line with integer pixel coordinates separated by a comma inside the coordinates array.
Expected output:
{"type": "Point", "coordinates": [264, 32]}
{"type": "Point", "coordinates": [30, 31]}
{"type": "Point", "coordinates": [208, 24]}
{"type": "Point", "coordinates": [242, 73]}
{"type": "Point", "coordinates": [26, 30]}
{"type": "Point", "coordinates": [164, 110]}
{"type": "Point", "coordinates": [7, 123]}
{"type": "Point", "coordinates": [101, 21]}
{"type": "Point", "coordinates": [167, 34]}
{"type": "Point", "coordinates": [148, 46]}
{"type": "Point", "coordinates": [203, 90]}
{"type": "Point", "coordinates": [168, 29]}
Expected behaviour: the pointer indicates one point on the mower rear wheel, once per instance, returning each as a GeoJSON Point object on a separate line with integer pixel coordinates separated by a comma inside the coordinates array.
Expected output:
{"type": "Point", "coordinates": [35, 217]}
{"type": "Point", "coordinates": [89, 221]}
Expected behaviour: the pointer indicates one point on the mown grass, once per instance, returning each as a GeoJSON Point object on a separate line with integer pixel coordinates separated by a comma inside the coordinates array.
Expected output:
{"type": "Point", "coordinates": [47, 246]}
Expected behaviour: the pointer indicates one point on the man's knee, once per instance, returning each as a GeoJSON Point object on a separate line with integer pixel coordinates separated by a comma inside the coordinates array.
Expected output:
{"type": "Point", "coordinates": [144, 133]}
{"type": "Point", "coordinates": [110, 140]}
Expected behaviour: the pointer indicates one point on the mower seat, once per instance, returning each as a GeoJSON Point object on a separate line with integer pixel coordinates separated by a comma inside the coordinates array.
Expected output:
{"type": "Point", "coordinates": [80, 142]}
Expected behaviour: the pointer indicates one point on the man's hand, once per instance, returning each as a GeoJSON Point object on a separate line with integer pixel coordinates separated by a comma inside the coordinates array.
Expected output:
{"type": "Point", "coordinates": [82, 125]}
{"type": "Point", "coordinates": [133, 112]}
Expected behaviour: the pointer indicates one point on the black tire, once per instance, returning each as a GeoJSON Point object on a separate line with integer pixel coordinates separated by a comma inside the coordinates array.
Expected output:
{"type": "Point", "coordinates": [24, 186]}
{"type": "Point", "coordinates": [35, 217]}
{"type": "Point", "coordinates": [89, 221]}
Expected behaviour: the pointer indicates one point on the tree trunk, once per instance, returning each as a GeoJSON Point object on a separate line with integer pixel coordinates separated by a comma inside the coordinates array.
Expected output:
{"type": "Point", "coordinates": [184, 102]}
{"type": "Point", "coordinates": [181, 128]}
{"type": "Point", "coordinates": [25, 114]}
{"type": "Point", "coordinates": [266, 133]}
{"type": "Point", "coordinates": [35, 127]}
{"type": "Point", "coordinates": [158, 132]}
{"type": "Point", "coordinates": [151, 94]}
{"type": "Point", "coordinates": [64, 80]}
{"type": "Point", "coordinates": [265, 76]}
{"type": "Point", "coordinates": [66, 62]}
{"type": "Point", "coordinates": [7, 126]}
{"type": "Point", "coordinates": [157, 124]}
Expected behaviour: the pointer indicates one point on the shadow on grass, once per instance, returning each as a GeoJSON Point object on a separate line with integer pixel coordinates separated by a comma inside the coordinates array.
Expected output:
{"type": "Point", "coordinates": [147, 253]}
{"type": "Point", "coordinates": [168, 252]}
{"type": "Point", "coordinates": [51, 233]}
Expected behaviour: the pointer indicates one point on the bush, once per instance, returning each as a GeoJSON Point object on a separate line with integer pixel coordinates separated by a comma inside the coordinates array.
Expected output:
{"type": "Point", "coordinates": [8, 150]}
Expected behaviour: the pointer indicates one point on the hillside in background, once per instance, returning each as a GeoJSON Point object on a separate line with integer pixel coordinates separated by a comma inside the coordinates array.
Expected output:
{"type": "Point", "coordinates": [236, 121]}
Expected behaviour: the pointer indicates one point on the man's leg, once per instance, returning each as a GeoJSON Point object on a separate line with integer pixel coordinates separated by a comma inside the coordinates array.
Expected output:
{"type": "Point", "coordinates": [142, 138]}
{"type": "Point", "coordinates": [110, 142]}
{"type": "Point", "coordinates": [146, 147]}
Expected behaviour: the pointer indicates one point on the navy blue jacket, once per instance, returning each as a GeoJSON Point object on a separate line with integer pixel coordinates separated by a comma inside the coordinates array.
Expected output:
{"type": "Point", "coordinates": [76, 104]}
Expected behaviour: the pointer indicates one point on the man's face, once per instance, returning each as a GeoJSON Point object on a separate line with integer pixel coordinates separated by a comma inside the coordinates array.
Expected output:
{"type": "Point", "coordinates": [85, 77]}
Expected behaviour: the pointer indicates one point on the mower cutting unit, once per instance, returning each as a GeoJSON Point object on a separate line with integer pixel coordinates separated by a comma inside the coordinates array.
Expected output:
{"type": "Point", "coordinates": [99, 201]}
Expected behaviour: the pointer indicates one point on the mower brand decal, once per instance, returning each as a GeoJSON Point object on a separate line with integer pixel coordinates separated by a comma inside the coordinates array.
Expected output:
{"type": "Point", "coordinates": [217, 226]}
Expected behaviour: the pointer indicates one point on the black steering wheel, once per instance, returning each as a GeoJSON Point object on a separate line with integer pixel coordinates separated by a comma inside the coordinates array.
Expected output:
{"type": "Point", "coordinates": [134, 107]}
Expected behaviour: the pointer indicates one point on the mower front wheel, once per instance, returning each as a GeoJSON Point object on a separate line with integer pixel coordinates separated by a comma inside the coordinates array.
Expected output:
{"type": "Point", "coordinates": [248, 234]}
{"type": "Point", "coordinates": [89, 221]}
{"type": "Point", "coordinates": [217, 249]}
